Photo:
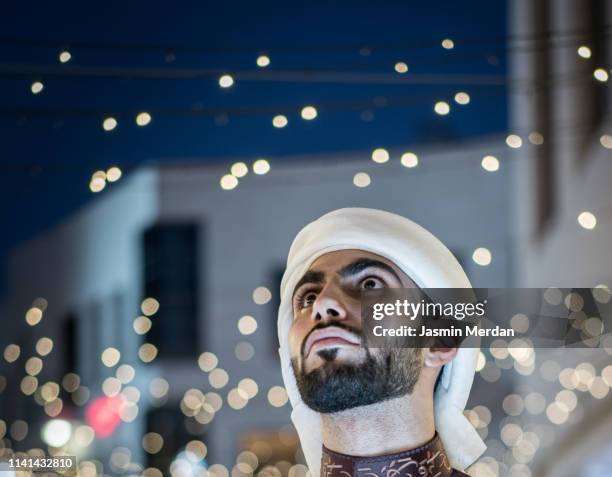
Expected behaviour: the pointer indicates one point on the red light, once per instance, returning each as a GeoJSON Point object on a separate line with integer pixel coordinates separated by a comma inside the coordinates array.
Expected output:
{"type": "Point", "coordinates": [102, 414]}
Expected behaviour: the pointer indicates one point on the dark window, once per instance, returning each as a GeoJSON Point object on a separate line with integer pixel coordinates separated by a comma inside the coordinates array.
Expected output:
{"type": "Point", "coordinates": [171, 263]}
{"type": "Point", "coordinates": [170, 423]}
{"type": "Point", "coordinates": [542, 98]}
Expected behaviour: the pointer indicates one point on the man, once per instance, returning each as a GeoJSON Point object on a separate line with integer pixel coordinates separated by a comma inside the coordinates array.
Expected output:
{"type": "Point", "coordinates": [371, 412]}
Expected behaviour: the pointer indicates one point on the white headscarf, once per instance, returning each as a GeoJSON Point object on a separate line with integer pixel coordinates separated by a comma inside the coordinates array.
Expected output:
{"type": "Point", "coordinates": [430, 265]}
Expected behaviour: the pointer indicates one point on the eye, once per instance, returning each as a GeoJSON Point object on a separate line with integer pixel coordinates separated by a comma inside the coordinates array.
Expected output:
{"type": "Point", "coordinates": [308, 300]}
{"type": "Point", "coordinates": [371, 283]}
{"type": "Point", "coordinates": [305, 299]}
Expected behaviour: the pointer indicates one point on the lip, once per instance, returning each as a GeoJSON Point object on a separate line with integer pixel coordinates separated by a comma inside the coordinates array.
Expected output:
{"type": "Point", "coordinates": [331, 336]}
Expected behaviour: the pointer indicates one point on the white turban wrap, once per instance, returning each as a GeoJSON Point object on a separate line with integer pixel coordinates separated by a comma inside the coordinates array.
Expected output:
{"type": "Point", "coordinates": [430, 265]}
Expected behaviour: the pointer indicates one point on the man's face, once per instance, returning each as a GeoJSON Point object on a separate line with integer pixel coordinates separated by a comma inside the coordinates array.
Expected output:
{"type": "Point", "coordinates": [333, 371]}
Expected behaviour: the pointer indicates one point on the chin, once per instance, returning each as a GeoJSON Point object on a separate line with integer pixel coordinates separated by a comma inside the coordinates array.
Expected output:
{"type": "Point", "coordinates": [333, 358]}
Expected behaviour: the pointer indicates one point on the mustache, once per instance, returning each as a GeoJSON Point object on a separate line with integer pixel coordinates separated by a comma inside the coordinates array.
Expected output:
{"type": "Point", "coordinates": [322, 325]}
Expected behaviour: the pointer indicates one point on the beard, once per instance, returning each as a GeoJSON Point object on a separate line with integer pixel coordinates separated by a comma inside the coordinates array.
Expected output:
{"type": "Point", "coordinates": [336, 386]}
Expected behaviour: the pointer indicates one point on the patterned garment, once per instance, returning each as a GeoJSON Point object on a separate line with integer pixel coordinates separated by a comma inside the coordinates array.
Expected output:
{"type": "Point", "coordinates": [429, 460]}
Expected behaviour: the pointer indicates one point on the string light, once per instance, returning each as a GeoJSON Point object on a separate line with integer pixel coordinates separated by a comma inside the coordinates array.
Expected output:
{"type": "Point", "coordinates": [247, 325]}
{"type": "Point", "coordinates": [361, 179]}
{"type": "Point", "coordinates": [111, 386]}
{"type": "Point", "coordinates": [236, 400]}
{"type": "Point", "coordinates": [84, 436]}
{"type": "Point", "coordinates": [197, 448]}
{"type": "Point", "coordinates": [584, 51]}
{"type": "Point", "coordinates": [36, 87]}
{"type": "Point", "coordinates": [64, 56]}
{"type": "Point", "coordinates": [44, 346]}
{"type": "Point", "coordinates": [147, 352]}
{"type": "Point", "coordinates": [606, 141]}
{"type": "Point", "coordinates": [125, 373]}
{"type": "Point", "coordinates": [442, 108]}
{"type": "Point", "coordinates": [261, 295]}
{"type": "Point", "coordinates": [239, 169]}
{"type": "Point", "coordinates": [71, 382]}
{"type": "Point", "coordinates": [158, 387]}
{"type": "Point", "coordinates": [113, 174]}
{"type": "Point", "coordinates": [514, 141]}
{"type": "Point", "coordinates": [249, 386]}
{"type": "Point", "coordinates": [482, 256]}
{"type": "Point", "coordinates": [149, 306]}
{"type": "Point", "coordinates": [263, 61]}
{"type": "Point", "coordinates": [277, 396]}
{"type": "Point", "coordinates": [600, 75]}
{"type": "Point", "coordinates": [279, 121]}
{"type": "Point", "coordinates": [109, 123]}
{"type": "Point", "coordinates": [309, 113]}
{"type": "Point", "coordinates": [97, 184]}
{"type": "Point", "coordinates": [152, 442]}
{"type": "Point", "coordinates": [28, 385]}
{"type": "Point", "coordinates": [536, 138]}
{"type": "Point", "coordinates": [33, 316]}
{"type": "Point", "coordinates": [226, 81]}
{"type": "Point", "coordinates": [557, 413]}
{"type": "Point", "coordinates": [110, 357]}
{"type": "Point", "coordinates": [170, 50]}
{"type": "Point", "coordinates": [218, 378]}
{"type": "Point", "coordinates": [401, 67]}
{"type": "Point", "coordinates": [56, 432]}
{"type": "Point", "coordinates": [40, 303]}
{"type": "Point", "coordinates": [448, 44]}
{"type": "Point", "coordinates": [261, 166]}
{"type": "Point", "coordinates": [228, 182]}
{"type": "Point", "coordinates": [99, 175]}
{"type": "Point", "coordinates": [380, 155]}
{"type": "Point", "coordinates": [218, 470]}
{"type": "Point", "coordinates": [462, 98]}
{"type": "Point", "coordinates": [409, 160]}
{"type": "Point", "coordinates": [244, 351]}
{"type": "Point", "coordinates": [142, 119]}
{"type": "Point", "coordinates": [490, 163]}
{"type": "Point", "coordinates": [245, 110]}
{"type": "Point", "coordinates": [587, 220]}
{"type": "Point", "coordinates": [33, 366]}
{"type": "Point", "coordinates": [207, 361]}
{"type": "Point", "coordinates": [50, 391]}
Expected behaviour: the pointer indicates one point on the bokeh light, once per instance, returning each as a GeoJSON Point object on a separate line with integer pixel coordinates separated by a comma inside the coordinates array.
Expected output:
{"type": "Point", "coordinates": [361, 179]}
{"type": "Point", "coordinates": [380, 155]}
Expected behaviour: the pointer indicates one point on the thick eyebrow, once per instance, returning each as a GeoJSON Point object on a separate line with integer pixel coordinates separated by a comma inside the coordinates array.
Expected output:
{"type": "Point", "coordinates": [351, 269]}
{"type": "Point", "coordinates": [362, 263]}
{"type": "Point", "coordinates": [310, 277]}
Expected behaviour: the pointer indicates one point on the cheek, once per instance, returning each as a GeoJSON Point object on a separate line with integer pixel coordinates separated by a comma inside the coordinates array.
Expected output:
{"type": "Point", "coordinates": [353, 308]}
{"type": "Point", "coordinates": [298, 331]}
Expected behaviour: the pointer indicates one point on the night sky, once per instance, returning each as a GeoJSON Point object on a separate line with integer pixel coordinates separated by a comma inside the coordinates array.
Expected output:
{"type": "Point", "coordinates": [166, 57]}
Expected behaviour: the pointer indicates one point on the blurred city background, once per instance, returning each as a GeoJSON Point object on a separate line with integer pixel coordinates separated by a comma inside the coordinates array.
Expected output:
{"type": "Point", "coordinates": [159, 159]}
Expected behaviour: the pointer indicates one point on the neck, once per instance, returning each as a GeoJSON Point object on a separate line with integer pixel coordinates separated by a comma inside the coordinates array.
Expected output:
{"type": "Point", "coordinates": [382, 428]}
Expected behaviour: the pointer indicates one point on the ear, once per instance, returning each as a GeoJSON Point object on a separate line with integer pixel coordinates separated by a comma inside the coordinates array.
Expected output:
{"type": "Point", "coordinates": [438, 357]}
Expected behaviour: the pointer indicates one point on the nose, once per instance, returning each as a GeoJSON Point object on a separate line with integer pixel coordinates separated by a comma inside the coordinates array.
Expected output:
{"type": "Point", "coordinates": [328, 306]}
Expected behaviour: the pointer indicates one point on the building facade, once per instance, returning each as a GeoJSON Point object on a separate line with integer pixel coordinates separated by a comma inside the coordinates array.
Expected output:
{"type": "Point", "coordinates": [561, 54]}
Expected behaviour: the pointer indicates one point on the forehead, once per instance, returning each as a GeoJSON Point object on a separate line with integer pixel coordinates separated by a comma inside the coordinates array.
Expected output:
{"type": "Point", "coordinates": [333, 261]}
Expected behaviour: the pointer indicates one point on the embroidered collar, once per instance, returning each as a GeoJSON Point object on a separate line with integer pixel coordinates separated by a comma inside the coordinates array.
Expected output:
{"type": "Point", "coordinates": [429, 460]}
